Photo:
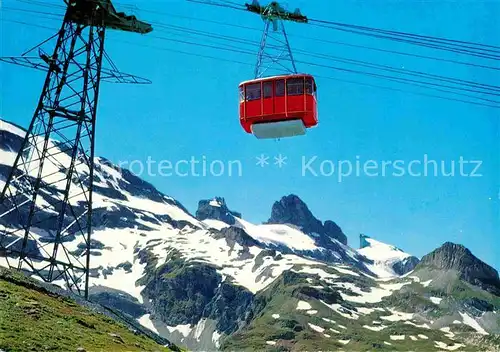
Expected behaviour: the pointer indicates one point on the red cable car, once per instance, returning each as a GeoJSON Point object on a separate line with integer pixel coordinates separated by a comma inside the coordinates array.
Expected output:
{"type": "Point", "coordinates": [279, 106]}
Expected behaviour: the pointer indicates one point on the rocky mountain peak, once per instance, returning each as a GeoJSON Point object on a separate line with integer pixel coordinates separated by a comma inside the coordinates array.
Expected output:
{"type": "Point", "coordinates": [363, 243]}
{"type": "Point", "coordinates": [292, 210]}
{"type": "Point", "coordinates": [216, 208]}
{"type": "Point", "coordinates": [452, 256]}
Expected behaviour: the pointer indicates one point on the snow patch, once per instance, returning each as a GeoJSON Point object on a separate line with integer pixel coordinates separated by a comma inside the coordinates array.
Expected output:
{"type": "Point", "coordinates": [375, 294]}
{"type": "Point", "coordinates": [214, 203]}
{"type": "Point", "coordinates": [145, 321]}
{"type": "Point", "coordinates": [375, 328]}
{"type": "Point", "coordinates": [468, 320]}
{"type": "Point", "coordinates": [366, 311]}
{"type": "Point", "coordinates": [345, 271]}
{"type": "Point", "coordinates": [185, 329]}
{"type": "Point", "coordinates": [316, 327]}
{"type": "Point", "coordinates": [216, 338]}
{"type": "Point", "coordinates": [215, 224]}
{"type": "Point", "coordinates": [448, 332]}
{"type": "Point", "coordinates": [346, 313]}
{"type": "Point", "coordinates": [325, 276]}
{"type": "Point", "coordinates": [397, 316]}
{"type": "Point", "coordinates": [444, 346]}
{"type": "Point", "coordinates": [199, 329]}
{"type": "Point", "coordinates": [6, 126]}
{"type": "Point", "coordinates": [118, 249]}
{"type": "Point", "coordinates": [423, 326]}
{"type": "Point", "coordinates": [277, 234]}
{"type": "Point", "coordinates": [397, 337]}
{"type": "Point", "coordinates": [303, 305]}
{"type": "Point", "coordinates": [426, 283]}
{"type": "Point", "coordinates": [436, 300]}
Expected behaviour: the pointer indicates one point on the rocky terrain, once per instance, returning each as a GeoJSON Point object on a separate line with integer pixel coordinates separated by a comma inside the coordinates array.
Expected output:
{"type": "Point", "coordinates": [214, 281]}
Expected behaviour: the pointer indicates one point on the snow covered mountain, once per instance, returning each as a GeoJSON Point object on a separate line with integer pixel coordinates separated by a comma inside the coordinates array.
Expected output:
{"type": "Point", "coordinates": [291, 229]}
{"type": "Point", "coordinates": [214, 281]}
{"type": "Point", "coordinates": [387, 260]}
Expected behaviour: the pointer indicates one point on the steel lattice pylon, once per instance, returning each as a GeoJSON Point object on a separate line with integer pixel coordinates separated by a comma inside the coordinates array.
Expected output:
{"type": "Point", "coordinates": [47, 199]}
{"type": "Point", "coordinates": [275, 51]}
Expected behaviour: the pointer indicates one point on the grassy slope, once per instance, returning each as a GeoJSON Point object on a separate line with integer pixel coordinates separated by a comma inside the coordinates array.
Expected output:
{"type": "Point", "coordinates": [34, 320]}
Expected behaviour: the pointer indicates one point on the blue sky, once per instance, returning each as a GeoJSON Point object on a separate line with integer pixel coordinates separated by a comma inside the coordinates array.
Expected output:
{"type": "Point", "coordinates": [190, 111]}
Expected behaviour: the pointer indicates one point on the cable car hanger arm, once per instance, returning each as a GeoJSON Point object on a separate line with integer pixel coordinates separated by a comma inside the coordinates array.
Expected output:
{"type": "Point", "coordinates": [274, 11]}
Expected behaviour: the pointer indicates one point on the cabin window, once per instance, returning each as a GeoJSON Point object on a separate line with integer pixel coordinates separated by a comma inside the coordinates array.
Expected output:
{"type": "Point", "coordinates": [268, 89]}
{"type": "Point", "coordinates": [253, 92]}
{"type": "Point", "coordinates": [242, 94]}
{"type": "Point", "coordinates": [295, 86]}
{"type": "Point", "coordinates": [309, 86]}
{"type": "Point", "coordinates": [280, 88]}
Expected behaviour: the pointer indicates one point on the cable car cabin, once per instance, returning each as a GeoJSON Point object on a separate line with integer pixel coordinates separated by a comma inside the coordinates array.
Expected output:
{"type": "Point", "coordinates": [279, 106]}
